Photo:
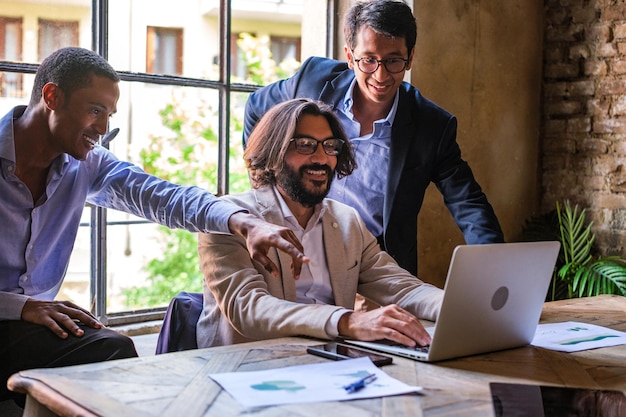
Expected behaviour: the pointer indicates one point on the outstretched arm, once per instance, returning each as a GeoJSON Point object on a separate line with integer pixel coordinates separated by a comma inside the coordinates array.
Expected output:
{"type": "Point", "coordinates": [261, 235]}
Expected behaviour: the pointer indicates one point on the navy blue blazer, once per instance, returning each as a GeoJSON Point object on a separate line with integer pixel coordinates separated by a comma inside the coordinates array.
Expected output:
{"type": "Point", "coordinates": [423, 150]}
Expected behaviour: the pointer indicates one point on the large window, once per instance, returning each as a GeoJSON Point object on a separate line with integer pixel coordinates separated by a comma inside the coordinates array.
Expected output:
{"type": "Point", "coordinates": [180, 116]}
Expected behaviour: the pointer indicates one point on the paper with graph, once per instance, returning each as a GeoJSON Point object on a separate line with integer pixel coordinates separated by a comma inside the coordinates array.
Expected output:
{"type": "Point", "coordinates": [309, 383]}
{"type": "Point", "coordinates": [573, 336]}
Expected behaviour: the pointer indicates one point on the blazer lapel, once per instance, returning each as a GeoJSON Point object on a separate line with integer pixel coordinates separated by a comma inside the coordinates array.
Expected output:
{"type": "Point", "coordinates": [401, 137]}
{"type": "Point", "coordinates": [270, 211]}
{"type": "Point", "coordinates": [339, 84]}
{"type": "Point", "coordinates": [336, 258]}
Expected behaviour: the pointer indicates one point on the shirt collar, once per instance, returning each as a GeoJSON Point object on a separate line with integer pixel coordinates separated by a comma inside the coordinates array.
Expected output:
{"type": "Point", "coordinates": [7, 141]}
{"type": "Point", "coordinates": [289, 216]}
{"type": "Point", "coordinates": [347, 98]}
{"type": "Point", "coordinates": [7, 138]}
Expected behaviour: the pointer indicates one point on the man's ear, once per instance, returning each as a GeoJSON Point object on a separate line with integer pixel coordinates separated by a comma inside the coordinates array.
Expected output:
{"type": "Point", "coordinates": [349, 56]}
{"type": "Point", "coordinates": [408, 67]}
{"type": "Point", "coordinates": [51, 95]}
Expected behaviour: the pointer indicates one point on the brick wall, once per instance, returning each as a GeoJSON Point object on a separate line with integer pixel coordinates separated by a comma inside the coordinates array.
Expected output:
{"type": "Point", "coordinates": [584, 114]}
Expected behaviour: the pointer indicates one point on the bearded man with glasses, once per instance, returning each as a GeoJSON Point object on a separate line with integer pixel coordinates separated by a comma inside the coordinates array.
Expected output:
{"type": "Point", "coordinates": [402, 140]}
{"type": "Point", "coordinates": [293, 155]}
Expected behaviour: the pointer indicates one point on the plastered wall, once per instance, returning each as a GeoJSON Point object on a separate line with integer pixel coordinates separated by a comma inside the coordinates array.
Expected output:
{"type": "Point", "coordinates": [481, 60]}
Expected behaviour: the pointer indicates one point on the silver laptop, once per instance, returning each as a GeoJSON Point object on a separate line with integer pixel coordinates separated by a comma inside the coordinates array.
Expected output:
{"type": "Point", "coordinates": [493, 299]}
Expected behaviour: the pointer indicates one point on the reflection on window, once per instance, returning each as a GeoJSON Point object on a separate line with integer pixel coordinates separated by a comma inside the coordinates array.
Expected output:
{"type": "Point", "coordinates": [238, 67]}
{"type": "Point", "coordinates": [55, 34]}
{"type": "Point", "coordinates": [164, 51]}
{"type": "Point", "coordinates": [264, 59]}
{"type": "Point", "coordinates": [11, 50]}
{"type": "Point", "coordinates": [284, 48]}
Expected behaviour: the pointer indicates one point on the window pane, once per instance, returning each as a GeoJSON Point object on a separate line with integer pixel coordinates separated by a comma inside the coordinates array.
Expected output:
{"type": "Point", "coordinates": [237, 173]}
{"type": "Point", "coordinates": [11, 85]}
{"type": "Point", "coordinates": [137, 49]}
{"type": "Point", "coordinates": [268, 45]}
{"type": "Point", "coordinates": [10, 39]}
{"type": "Point", "coordinates": [152, 36]}
{"type": "Point", "coordinates": [47, 25]}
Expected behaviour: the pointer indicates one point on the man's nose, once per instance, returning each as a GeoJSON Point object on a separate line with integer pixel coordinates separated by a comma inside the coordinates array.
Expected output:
{"type": "Point", "coordinates": [319, 154]}
{"type": "Point", "coordinates": [102, 124]}
{"type": "Point", "coordinates": [381, 72]}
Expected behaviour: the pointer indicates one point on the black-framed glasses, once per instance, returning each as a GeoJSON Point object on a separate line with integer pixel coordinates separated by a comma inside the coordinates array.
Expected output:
{"type": "Point", "coordinates": [370, 65]}
{"type": "Point", "coordinates": [308, 146]}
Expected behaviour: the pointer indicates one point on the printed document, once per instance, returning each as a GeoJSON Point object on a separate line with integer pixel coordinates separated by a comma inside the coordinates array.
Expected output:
{"type": "Point", "coordinates": [573, 336]}
{"type": "Point", "coordinates": [310, 383]}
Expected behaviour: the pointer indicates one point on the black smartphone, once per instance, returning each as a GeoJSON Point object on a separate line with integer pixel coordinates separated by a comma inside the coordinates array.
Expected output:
{"type": "Point", "coordinates": [339, 351]}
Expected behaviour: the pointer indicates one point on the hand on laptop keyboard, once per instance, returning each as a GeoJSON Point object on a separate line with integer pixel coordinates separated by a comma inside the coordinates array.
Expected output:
{"type": "Point", "coordinates": [390, 322]}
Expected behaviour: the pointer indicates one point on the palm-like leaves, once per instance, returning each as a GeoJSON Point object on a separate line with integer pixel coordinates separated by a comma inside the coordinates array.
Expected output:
{"type": "Point", "coordinates": [604, 276]}
{"type": "Point", "coordinates": [575, 238]}
{"type": "Point", "coordinates": [584, 276]}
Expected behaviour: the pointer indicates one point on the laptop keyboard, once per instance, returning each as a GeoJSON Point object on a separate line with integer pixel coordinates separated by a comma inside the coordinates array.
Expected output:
{"type": "Point", "coordinates": [423, 349]}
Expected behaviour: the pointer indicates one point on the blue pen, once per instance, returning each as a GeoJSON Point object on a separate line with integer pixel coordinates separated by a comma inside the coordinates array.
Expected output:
{"type": "Point", "coordinates": [360, 384]}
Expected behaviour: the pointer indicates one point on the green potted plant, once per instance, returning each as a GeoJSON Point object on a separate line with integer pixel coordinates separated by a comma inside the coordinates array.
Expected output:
{"type": "Point", "coordinates": [584, 274]}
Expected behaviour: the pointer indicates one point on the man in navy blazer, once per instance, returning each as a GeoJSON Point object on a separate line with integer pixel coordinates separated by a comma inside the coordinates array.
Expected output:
{"type": "Point", "coordinates": [402, 140]}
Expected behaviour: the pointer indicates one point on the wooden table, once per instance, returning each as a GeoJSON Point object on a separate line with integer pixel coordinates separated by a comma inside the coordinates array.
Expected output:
{"type": "Point", "coordinates": [177, 384]}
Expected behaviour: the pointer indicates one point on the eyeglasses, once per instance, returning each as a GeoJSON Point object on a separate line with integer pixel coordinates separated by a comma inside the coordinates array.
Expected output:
{"type": "Point", "coordinates": [370, 65]}
{"type": "Point", "coordinates": [308, 146]}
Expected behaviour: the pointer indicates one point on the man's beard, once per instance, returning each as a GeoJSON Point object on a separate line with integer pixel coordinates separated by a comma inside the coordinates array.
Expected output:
{"type": "Point", "coordinates": [291, 182]}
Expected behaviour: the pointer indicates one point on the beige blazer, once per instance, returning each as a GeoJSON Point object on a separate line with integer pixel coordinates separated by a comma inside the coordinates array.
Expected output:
{"type": "Point", "coordinates": [243, 302]}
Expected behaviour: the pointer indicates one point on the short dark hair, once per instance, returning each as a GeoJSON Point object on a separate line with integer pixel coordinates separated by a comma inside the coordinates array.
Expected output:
{"type": "Point", "coordinates": [70, 69]}
{"type": "Point", "coordinates": [268, 143]}
{"type": "Point", "coordinates": [392, 18]}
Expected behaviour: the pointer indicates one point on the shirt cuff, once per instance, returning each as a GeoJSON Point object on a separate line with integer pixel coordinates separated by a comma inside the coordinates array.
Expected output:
{"type": "Point", "coordinates": [331, 325]}
{"type": "Point", "coordinates": [222, 218]}
{"type": "Point", "coordinates": [11, 305]}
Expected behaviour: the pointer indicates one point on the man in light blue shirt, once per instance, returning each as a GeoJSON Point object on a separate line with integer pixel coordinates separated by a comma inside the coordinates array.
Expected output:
{"type": "Point", "coordinates": [50, 166]}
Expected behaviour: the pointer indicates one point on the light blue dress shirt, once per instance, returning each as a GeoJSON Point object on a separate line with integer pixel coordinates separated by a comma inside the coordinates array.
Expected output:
{"type": "Point", "coordinates": [37, 239]}
{"type": "Point", "coordinates": [365, 189]}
